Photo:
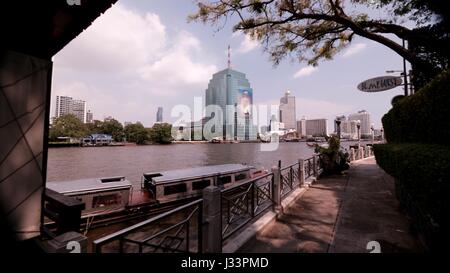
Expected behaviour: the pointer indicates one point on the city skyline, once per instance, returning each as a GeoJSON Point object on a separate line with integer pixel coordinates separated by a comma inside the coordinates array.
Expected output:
{"type": "Point", "coordinates": [185, 55]}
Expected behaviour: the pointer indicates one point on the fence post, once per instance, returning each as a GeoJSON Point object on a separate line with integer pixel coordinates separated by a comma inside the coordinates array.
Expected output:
{"type": "Point", "coordinates": [315, 166]}
{"type": "Point", "coordinates": [361, 152]}
{"type": "Point", "coordinates": [352, 154]}
{"type": "Point", "coordinates": [301, 172]}
{"type": "Point", "coordinates": [276, 189]}
{"type": "Point", "coordinates": [212, 220]}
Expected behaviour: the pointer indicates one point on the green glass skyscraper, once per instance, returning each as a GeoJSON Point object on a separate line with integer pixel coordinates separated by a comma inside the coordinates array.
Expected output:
{"type": "Point", "coordinates": [230, 89]}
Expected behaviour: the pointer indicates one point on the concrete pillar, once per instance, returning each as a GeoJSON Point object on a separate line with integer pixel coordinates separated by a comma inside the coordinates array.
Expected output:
{"type": "Point", "coordinates": [24, 121]}
{"type": "Point", "coordinates": [276, 189]}
{"type": "Point", "coordinates": [212, 220]}
{"type": "Point", "coordinates": [361, 152]}
{"type": "Point", "coordinates": [352, 154]}
{"type": "Point", "coordinates": [301, 172]}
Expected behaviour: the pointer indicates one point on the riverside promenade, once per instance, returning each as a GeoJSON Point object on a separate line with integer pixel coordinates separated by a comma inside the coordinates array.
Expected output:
{"type": "Point", "coordinates": [341, 213]}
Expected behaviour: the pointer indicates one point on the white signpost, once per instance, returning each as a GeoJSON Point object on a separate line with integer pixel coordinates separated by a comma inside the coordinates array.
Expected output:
{"type": "Point", "coordinates": [379, 84]}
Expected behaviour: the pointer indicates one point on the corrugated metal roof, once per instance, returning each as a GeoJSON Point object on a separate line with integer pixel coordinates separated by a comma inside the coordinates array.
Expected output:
{"type": "Point", "coordinates": [198, 172]}
{"type": "Point", "coordinates": [87, 185]}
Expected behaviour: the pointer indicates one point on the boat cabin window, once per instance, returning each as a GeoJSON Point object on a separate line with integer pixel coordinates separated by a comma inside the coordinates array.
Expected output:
{"type": "Point", "coordinates": [199, 185]}
{"type": "Point", "coordinates": [112, 179]}
{"type": "Point", "coordinates": [224, 180]}
{"type": "Point", "coordinates": [240, 176]}
{"type": "Point", "coordinates": [175, 189]}
{"type": "Point", "coordinates": [106, 200]}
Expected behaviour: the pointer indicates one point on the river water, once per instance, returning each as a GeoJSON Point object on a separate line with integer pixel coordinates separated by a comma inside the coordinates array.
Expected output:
{"type": "Point", "coordinates": [132, 161]}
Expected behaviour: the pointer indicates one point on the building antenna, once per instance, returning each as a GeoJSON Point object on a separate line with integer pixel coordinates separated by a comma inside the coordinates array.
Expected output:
{"type": "Point", "coordinates": [229, 57]}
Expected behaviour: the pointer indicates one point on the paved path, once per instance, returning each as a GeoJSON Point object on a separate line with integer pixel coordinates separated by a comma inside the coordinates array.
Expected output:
{"type": "Point", "coordinates": [341, 214]}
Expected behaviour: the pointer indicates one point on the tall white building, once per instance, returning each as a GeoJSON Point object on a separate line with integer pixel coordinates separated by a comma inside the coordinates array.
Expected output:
{"type": "Point", "coordinates": [287, 111]}
{"type": "Point", "coordinates": [349, 129]}
{"type": "Point", "coordinates": [301, 127]}
{"type": "Point", "coordinates": [364, 117]}
{"type": "Point", "coordinates": [316, 127]}
{"type": "Point", "coordinates": [67, 105]}
{"type": "Point", "coordinates": [89, 117]}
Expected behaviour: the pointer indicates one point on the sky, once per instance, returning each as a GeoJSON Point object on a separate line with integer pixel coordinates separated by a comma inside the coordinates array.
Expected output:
{"type": "Point", "coordinates": [143, 54]}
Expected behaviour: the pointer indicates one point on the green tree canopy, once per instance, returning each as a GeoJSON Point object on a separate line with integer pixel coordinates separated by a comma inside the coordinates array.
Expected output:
{"type": "Point", "coordinates": [161, 133]}
{"type": "Point", "coordinates": [67, 126]}
{"type": "Point", "coordinates": [136, 133]}
{"type": "Point", "coordinates": [114, 128]}
{"type": "Point", "coordinates": [312, 30]}
{"type": "Point", "coordinates": [95, 127]}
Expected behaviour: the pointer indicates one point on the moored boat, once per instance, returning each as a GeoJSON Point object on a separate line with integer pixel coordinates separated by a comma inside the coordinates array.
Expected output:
{"type": "Point", "coordinates": [113, 199]}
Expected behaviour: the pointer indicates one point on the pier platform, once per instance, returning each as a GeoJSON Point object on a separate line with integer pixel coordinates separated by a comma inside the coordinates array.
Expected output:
{"type": "Point", "coordinates": [341, 214]}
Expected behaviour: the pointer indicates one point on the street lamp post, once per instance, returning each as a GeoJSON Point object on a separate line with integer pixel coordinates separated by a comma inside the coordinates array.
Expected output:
{"type": "Point", "coordinates": [404, 71]}
{"type": "Point", "coordinates": [338, 128]}
{"type": "Point", "coordinates": [358, 125]}
{"type": "Point", "coordinates": [373, 132]}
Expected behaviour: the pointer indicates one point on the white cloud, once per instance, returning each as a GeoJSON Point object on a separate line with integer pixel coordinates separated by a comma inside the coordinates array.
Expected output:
{"type": "Point", "coordinates": [125, 60]}
{"type": "Point", "coordinates": [176, 66]}
{"type": "Point", "coordinates": [119, 40]}
{"type": "Point", "coordinates": [305, 71]}
{"type": "Point", "coordinates": [354, 49]}
{"type": "Point", "coordinates": [247, 44]}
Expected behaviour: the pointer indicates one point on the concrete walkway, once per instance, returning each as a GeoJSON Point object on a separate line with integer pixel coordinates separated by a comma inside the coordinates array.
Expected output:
{"type": "Point", "coordinates": [341, 214]}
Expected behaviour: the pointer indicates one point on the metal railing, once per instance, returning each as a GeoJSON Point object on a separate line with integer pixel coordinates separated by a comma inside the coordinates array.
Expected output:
{"type": "Point", "coordinates": [289, 178]}
{"type": "Point", "coordinates": [178, 230]}
{"type": "Point", "coordinates": [242, 203]}
{"type": "Point", "coordinates": [319, 165]}
{"type": "Point", "coordinates": [219, 214]}
{"type": "Point", "coordinates": [309, 167]}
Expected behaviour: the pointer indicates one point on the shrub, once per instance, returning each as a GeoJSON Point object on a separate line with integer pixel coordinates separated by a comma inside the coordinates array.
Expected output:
{"type": "Point", "coordinates": [333, 159]}
{"type": "Point", "coordinates": [422, 173]}
{"type": "Point", "coordinates": [423, 117]}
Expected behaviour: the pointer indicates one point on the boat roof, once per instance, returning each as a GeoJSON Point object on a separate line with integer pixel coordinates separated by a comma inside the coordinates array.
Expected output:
{"type": "Point", "coordinates": [198, 172]}
{"type": "Point", "coordinates": [89, 185]}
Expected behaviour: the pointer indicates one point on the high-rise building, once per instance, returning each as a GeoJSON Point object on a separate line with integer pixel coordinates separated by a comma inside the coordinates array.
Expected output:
{"type": "Point", "coordinates": [67, 105]}
{"type": "Point", "coordinates": [62, 106]}
{"type": "Point", "coordinates": [89, 117]}
{"type": "Point", "coordinates": [287, 111]}
{"type": "Point", "coordinates": [349, 129]}
{"type": "Point", "coordinates": [301, 127]}
{"type": "Point", "coordinates": [159, 115]}
{"type": "Point", "coordinates": [364, 117]}
{"type": "Point", "coordinates": [316, 127]}
{"type": "Point", "coordinates": [231, 91]}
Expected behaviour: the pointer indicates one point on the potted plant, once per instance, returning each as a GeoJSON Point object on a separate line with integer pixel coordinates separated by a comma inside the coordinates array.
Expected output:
{"type": "Point", "coordinates": [333, 159]}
